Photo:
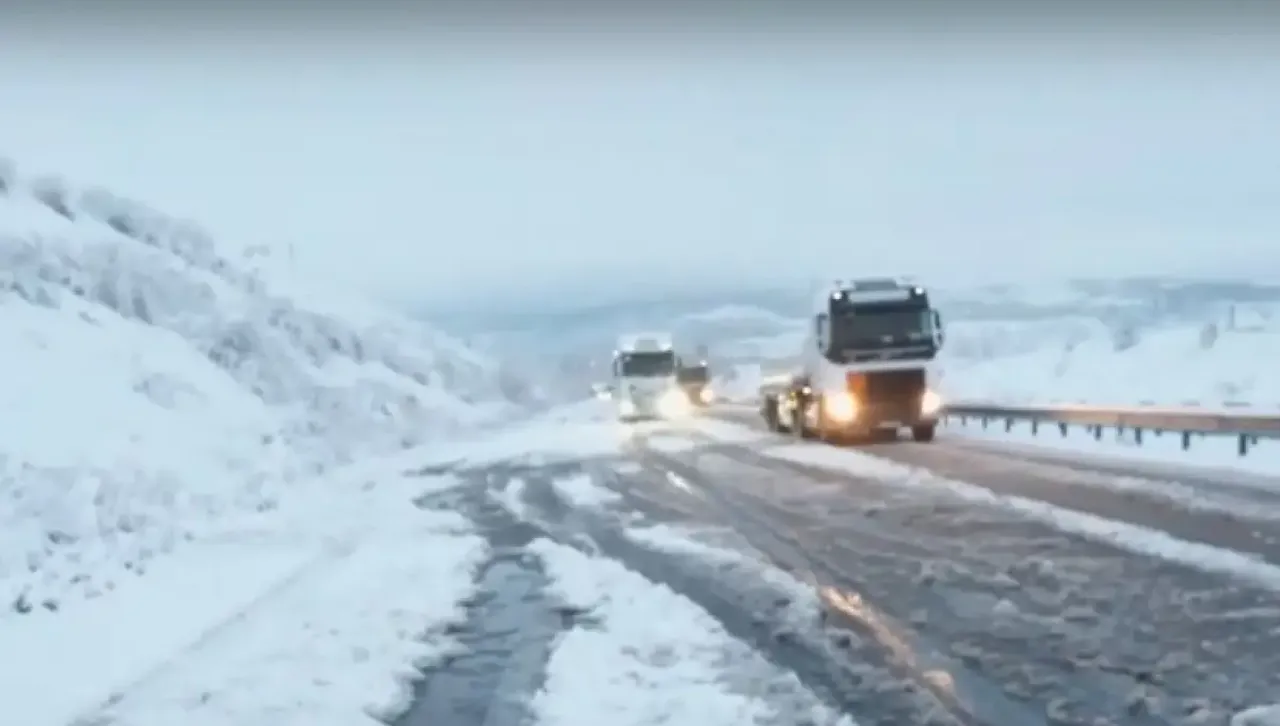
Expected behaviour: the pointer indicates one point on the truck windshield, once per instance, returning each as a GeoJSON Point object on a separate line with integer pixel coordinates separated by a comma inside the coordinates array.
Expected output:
{"type": "Point", "coordinates": [646, 365]}
{"type": "Point", "coordinates": [881, 329]}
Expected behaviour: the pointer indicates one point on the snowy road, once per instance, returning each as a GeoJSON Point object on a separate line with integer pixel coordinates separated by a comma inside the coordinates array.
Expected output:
{"type": "Point", "coordinates": [1231, 510]}
{"type": "Point", "coordinates": [729, 579]}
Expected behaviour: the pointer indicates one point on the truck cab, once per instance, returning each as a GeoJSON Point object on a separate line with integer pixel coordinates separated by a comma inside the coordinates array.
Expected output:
{"type": "Point", "coordinates": [694, 379]}
{"type": "Point", "coordinates": [644, 378]}
{"type": "Point", "coordinates": [866, 365]}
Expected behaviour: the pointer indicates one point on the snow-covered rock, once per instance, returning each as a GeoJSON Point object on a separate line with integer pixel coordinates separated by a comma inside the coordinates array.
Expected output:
{"type": "Point", "coordinates": [153, 386]}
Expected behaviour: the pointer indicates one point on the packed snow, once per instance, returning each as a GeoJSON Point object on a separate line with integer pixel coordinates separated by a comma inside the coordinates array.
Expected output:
{"type": "Point", "coordinates": [633, 669]}
{"type": "Point", "coordinates": [279, 625]}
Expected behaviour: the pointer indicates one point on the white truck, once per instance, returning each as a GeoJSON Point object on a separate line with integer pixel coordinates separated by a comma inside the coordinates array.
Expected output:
{"type": "Point", "coordinates": [644, 378]}
{"type": "Point", "coordinates": [867, 365]}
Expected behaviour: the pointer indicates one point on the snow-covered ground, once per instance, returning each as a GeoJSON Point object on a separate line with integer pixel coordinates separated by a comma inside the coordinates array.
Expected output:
{"type": "Point", "coordinates": [185, 467]}
{"type": "Point", "coordinates": [318, 614]}
{"type": "Point", "coordinates": [153, 386]}
{"type": "Point", "coordinates": [636, 669]}
{"type": "Point", "coordinates": [1074, 360]}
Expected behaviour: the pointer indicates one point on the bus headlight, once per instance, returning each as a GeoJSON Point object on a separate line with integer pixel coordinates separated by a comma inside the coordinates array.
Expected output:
{"type": "Point", "coordinates": [930, 403]}
{"type": "Point", "coordinates": [673, 404]}
{"type": "Point", "coordinates": [840, 407]}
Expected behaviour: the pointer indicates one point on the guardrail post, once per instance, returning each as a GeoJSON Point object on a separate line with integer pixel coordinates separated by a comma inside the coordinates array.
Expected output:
{"type": "Point", "coordinates": [1243, 447]}
{"type": "Point", "coordinates": [1186, 440]}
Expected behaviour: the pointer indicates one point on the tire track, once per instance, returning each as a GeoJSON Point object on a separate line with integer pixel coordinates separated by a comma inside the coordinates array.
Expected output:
{"type": "Point", "coordinates": [880, 638]}
{"type": "Point", "coordinates": [1081, 628]}
{"type": "Point", "coordinates": [846, 670]}
{"type": "Point", "coordinates": [1237, 523]}
{"type": "Point", "coordinates": [511, 625]}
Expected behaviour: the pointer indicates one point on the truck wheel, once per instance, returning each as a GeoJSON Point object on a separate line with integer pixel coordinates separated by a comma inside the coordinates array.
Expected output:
{"type": "Point", "coordinates": [769, 409]}
{"type": "Point", "coordinates": [923, 433]}
{"type": "Point", "coordinates": [827, 433]}
{"type": "Point", "coordinates": [802, 431]}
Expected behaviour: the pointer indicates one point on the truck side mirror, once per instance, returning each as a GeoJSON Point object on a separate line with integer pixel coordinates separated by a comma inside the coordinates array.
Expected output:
{"type": "Point", "coordinates": [937, 328]}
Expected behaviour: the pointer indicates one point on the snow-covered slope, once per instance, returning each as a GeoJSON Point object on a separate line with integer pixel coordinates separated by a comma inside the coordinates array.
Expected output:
{"type": "Point", "coordinates": [1174, 364]}
{"type": "Point", "coordinates": [152, 387]}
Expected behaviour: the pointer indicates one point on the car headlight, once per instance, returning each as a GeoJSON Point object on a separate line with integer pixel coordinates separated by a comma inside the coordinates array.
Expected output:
{"type": "Point", "coordinates": [930, 403]}
{"type": "Point", "coordinates": [673, 404]}
{"type": "Point", "coordinates": [840, 407]}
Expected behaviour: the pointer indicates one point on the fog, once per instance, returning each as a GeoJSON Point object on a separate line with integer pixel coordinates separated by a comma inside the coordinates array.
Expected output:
{"type": "Point", "coordinates": [525, 168]}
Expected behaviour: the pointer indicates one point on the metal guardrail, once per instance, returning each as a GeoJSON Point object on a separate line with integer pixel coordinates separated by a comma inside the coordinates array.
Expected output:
{"type": "Point", "coordinates": [1188, 423]}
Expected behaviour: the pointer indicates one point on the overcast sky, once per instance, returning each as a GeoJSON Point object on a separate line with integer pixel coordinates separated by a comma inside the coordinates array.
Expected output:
{"type": "Point", "coordinates": [440, 171]}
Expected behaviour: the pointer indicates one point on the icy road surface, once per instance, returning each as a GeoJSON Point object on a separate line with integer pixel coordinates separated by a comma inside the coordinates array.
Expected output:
{"type": "Point", "coordinates": [708, 573]}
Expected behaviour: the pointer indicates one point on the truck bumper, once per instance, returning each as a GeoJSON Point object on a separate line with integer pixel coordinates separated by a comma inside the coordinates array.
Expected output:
{"type": "Point", "coordinates": [881, 416]}
{"type": "Point", "coordinates": [699, 395]}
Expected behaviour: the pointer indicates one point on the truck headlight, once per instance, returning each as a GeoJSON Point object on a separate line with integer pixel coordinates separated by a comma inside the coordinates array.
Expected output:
{"type": "Point", "coordinates": [840, 407]}
{"type": "Point", "coordinates": [706, 396]}
{"type": "Point", "coordinates": [627, 407]}
{"type": "Point", "coordinates": [930, 403]}
{"type": "Point", "coordinates": [673, 404]}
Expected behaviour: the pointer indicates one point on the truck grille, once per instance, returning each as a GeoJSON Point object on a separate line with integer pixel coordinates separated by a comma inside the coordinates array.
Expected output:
{"type": "Point", "coordinates": [879, 387]}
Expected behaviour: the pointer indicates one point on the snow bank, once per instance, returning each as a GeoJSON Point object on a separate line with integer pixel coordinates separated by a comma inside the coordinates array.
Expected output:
{"type": "Point", "coordinates": [632, 668]}
{"type": "Point", "coordinates": [154, 388]}
{"type": "Point", "coordinates": [298, 616]}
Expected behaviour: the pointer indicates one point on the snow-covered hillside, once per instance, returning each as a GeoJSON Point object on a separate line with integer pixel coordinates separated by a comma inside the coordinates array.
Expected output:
{"type": "Point", "coordinates": [153, 387]}
{"type": "Point", "coordinates": [1207, 364]}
